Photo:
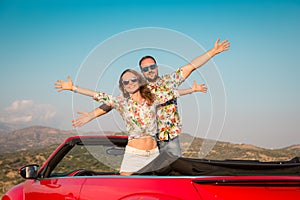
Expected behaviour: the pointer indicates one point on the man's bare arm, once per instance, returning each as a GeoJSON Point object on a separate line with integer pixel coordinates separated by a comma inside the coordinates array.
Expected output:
{"type": "Point", "coordinates": [202, 59]}
{"type": "Point", "coordinates": [195, 88]}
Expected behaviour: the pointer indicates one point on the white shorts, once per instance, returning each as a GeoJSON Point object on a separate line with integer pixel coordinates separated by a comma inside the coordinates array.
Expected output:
{"type": "Point", "coordinates": [135, 159]}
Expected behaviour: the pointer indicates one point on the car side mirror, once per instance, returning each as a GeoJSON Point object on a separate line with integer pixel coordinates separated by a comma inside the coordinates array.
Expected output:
{"type": "Point", "coordinates": [29, 171]}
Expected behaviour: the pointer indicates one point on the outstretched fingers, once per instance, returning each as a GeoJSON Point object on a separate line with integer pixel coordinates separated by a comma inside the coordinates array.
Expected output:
{"type": "Point", "coordinates": [64, 85]}
{"type": "Point", "coordinates": [203, 88]}
{"type": "Point", "coordinates": [194, 84]}
{"type": "Point", "coordinates": [199, 87]}
{"type": "Point", "coordinates": [225, 44]}
{"type": "Point", "coordinates": [58, 85]}
{"type": "Point", "coordinates": [69, 78]}
{"type": "Point", "coordinates": [217, 41]}
{"type": "Point", "coordinates": [222, 46]}
{"type": "Point", "coordinates": [81, 120]}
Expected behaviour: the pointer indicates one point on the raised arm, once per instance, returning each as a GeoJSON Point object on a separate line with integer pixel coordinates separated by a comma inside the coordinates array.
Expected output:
{"type": "Point", "coordinates": [86, 117]}
{"type": "Point", "coordinates": [68, 85]}
{"type": "Point", "coordinates": [195, 88]}
{"type": "Point", "coordinates": [202, 59]}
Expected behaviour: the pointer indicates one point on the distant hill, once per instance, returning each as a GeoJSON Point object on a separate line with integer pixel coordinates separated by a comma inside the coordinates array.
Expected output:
{"type": "Point", "coordinates": [294, 147]}
{"type": "Point", "coordinates": [6, 128]}
{"type": "Point", "coordinates": [34, 137]}
{"type": "Point", "coordinates": [218, 150]}
{"type": "Point", "coordinates": [31, 138]}
{"type": "Point", "coordinates": [9, 127]}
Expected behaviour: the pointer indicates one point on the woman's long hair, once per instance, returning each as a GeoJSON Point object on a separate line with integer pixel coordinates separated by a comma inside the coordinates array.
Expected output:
{"type": "Point", "coordinates": [143, 86]}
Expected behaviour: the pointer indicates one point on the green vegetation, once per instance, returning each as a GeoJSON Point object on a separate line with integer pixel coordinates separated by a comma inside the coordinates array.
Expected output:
{"type": "Point", "coordinates": [11, 162]}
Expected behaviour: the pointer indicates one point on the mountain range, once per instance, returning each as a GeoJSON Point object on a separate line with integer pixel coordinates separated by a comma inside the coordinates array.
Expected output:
{"type": "Point", "coordinates": [37, 137]}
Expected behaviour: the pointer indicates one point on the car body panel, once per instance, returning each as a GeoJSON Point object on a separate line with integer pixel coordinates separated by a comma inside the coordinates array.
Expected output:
{"type": "Point", "coordinates": [15, 192]}
{"type": "Point", "coordinates": [53, 188]}
{"type": "Point", "coordinates": [142, 187]}
{"type": "Point", "coordinates": [248, 188]}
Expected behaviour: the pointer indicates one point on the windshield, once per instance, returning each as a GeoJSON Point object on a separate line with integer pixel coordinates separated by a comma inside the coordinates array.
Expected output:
{"type": "Point", "coordinates": [95, 157]}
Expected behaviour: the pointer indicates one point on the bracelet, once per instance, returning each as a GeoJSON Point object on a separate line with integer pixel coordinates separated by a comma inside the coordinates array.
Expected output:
{"type": "Point", "coordinates": [75, 88]}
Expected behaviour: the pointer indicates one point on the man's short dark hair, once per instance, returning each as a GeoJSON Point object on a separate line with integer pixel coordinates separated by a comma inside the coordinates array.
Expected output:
{"type": "Point", "coordinates": [145, 57]}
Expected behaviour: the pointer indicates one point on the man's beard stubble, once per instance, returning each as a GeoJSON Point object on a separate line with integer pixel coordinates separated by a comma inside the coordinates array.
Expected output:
{"type": "Point", "coordinates": [152, 80]}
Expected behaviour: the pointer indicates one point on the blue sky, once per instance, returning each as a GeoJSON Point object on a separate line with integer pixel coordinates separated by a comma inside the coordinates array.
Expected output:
{"type": "Point", "coordinates": [42, 41]}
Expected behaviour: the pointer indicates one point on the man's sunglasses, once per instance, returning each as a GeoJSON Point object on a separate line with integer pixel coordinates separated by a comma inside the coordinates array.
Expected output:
{"type": "Point", "coordinates": [126, 82]}
{"type": "Point", "coordinates": [152, 67]}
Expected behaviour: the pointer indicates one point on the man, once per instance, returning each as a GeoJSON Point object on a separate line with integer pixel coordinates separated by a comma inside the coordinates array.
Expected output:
{"type": "Point", "coordinates": [168, 119]}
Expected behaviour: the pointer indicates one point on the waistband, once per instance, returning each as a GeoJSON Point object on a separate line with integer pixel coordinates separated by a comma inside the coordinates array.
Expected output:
{"type": "Point", "coordinates": [140, 152]}
{"type": "Point", "coordinates": [131, 137]}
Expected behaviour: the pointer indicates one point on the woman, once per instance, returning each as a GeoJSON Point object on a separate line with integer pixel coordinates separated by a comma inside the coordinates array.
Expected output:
{"type": "Point", "coordinates": [137, 107]}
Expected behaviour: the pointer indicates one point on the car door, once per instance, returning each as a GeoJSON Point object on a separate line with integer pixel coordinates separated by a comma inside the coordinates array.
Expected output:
{"type": "Point", "coordinates": [66, 188]}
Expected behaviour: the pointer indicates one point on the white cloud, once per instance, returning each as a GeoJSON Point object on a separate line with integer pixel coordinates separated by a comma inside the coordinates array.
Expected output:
{"type": "Point", "coordinates": [19, 105]}
{"type": "Point", "coordinates": [25, 111]}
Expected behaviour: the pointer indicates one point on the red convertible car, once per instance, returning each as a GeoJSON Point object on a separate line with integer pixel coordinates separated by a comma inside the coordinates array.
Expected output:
{"type": "Point", "coordinates": [86, 168]}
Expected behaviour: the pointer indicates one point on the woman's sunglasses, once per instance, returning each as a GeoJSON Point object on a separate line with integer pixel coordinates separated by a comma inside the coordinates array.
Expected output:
{"type": "Point", "coordinates": [126, 82]}
{"type": "Point", "coordinates": [152, 67]}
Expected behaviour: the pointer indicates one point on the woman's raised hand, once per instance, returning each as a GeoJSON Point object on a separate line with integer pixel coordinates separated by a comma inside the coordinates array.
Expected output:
{"type": "Point", "coordinates": [63, 85]}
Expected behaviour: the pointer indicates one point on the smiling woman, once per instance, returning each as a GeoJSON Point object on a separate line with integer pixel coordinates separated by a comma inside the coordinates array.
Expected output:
{"type": "Point", "coordinates": [130, 82]}
{"type": "Point", "coordinates": [137, 106]}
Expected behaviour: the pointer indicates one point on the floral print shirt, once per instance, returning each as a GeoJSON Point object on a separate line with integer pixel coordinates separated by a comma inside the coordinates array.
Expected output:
{"type": "Point", "coordinates": [168, 120]}
{"type": "Point", "coordinates": [140, 119]}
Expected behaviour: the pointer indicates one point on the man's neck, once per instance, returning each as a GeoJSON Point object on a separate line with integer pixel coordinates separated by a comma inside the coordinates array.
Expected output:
{"type": "Point", "coordinates": [153, 81]}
